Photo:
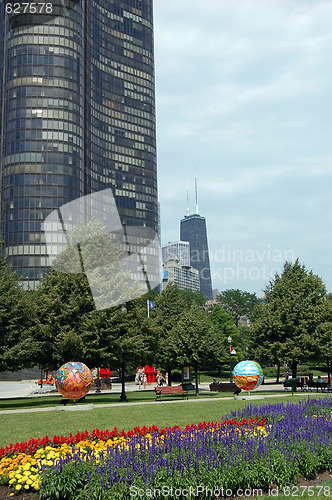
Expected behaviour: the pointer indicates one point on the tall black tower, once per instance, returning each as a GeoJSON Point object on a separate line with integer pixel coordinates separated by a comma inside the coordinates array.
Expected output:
{"type": "Point", "coordinates": [193, 229]}
{"type": "Point", "coordinates": [77, 116]}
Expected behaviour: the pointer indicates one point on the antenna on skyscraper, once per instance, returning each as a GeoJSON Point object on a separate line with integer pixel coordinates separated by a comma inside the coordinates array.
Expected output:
{"type": "Point", "coordinates": [196, 202]}
{"type": "Point", "coordinates": [187, 200]}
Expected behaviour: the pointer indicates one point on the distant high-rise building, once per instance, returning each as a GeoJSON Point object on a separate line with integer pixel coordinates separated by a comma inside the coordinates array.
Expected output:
{"type": "Point", "coordinates": [179, 249]}
{"type": "Point", "coordinates": [77, 116]}
{"type": "Point", "coordinates": [185, 277]}
{"type": "Point", "coordinates": [193, 230]}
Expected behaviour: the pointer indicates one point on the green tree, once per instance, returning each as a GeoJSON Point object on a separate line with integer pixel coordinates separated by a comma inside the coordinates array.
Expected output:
{"type": "Point", "coordinates": [323, 337]}
{"type": "Point", "coordinates": [164, 316]}
{"type": "Point", "coordinates": [68, 326]}
{"type": "Point", "coordinates": [16, 315]}
{"type": "Point", "coordinates": [193, 297]}
{"type": "Point", "coordinates": [225, 327]}
{"type": "Point", "coordinates": [133, 339]}
{"type": "Point", "coordinates": [238, 303]}
{"type": "Point", "coordinates": [64, 304]}
{"type": "Point", "coordinates": [286, 327]}
{"type": "Point", "coordinates": [193, 341]}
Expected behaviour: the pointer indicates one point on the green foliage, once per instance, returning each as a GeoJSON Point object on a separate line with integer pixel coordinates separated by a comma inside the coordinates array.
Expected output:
{"type": "Point", "coordinates": [16, 314]}
{"type": "Point", "coordinates": [238, 303]}
{"type": "Point", "coordinates": [68, 326]}
{"type": "Point", "coordinates": [134, 340]}
{"type": "Point", "coordinates": [191, 297]}
{"type": "Point", "coordinates": [164, 316]}
{"type": "Point", "coordinates": [169, 306]}
{"type": "Point", "coordinates": [193, 340]}
{"type": "Point", "coordinates": [63, 303]}
{"type": "Point", "coordinates": [286, 328]}
{"type": "Point", "coordinates": [225, 327]}
{"type": "Point", "coordinates": [76, 481]}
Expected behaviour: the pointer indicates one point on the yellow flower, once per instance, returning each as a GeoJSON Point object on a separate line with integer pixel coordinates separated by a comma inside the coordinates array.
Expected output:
{"type": "Point", "coordinates": [18, 487]}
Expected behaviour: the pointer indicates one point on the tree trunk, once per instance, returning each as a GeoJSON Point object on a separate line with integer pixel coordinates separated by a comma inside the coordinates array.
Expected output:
{"type": "Point", "coordinates": [278, 373]}
{"type": "Point", "coordinates": [196, 379]}
{"type": "Point", "coordinates": [293, 367]}
{"type": "Point", "coordinates": [169, 371]}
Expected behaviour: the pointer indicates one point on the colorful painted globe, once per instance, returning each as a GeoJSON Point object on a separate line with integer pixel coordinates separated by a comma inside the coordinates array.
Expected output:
{"type": "Point", "coordinates": [248, 375]}
{"type": "Point", "coordinates": [73, 380]}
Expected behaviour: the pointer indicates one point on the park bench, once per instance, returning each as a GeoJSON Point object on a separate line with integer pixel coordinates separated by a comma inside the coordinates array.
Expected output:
{"type": "Point", "coordinates": [170, 389]}
{"type": "Point", "coordinates": [224, 387]}
{"type": "Point", "coordinates": [304, 383]}
{"type": "Point", "coordinates": [317, 385]}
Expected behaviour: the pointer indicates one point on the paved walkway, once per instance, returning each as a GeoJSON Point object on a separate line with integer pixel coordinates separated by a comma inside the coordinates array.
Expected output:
{"type": "Point", "coordinates": [24, 388]}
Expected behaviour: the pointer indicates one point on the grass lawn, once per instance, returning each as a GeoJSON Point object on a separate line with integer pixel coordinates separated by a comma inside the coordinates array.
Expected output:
{"type": "Point", "coordinates": [17, 427]}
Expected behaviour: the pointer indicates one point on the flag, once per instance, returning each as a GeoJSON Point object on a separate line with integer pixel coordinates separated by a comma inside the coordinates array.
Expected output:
{"type": "Point", "coordinates": [232, 350]}
{"type": "Point", "coordinates": [150, 305]}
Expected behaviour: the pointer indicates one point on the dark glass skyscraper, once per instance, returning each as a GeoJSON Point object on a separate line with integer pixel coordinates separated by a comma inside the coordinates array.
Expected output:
{"type": "Point", "coordinates": [77, 116]}
{"type": "Point", "coordinates": [193, 229]}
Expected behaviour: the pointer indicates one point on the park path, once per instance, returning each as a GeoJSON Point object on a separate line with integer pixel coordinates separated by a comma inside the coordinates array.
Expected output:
{"type": "Point", "coordinates": [165, 401]}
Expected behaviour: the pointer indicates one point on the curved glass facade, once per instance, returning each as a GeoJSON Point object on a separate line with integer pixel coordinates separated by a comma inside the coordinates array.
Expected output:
{"type": "Point", "coordinates": [77, 116]}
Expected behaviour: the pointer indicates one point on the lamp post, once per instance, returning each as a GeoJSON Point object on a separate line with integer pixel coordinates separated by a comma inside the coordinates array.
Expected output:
{"type": "Point", "coordinates": [230, 359]}
{"type": "Point", "coordinates": [123, 397]}
{"type": "Point", "coordinates": [328, 365]}
{"type": "Point", "coordinates": [98, 391]}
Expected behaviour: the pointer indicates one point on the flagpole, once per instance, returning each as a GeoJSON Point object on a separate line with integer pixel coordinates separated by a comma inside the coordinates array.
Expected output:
{"type": "Point", "coordinates": [147, 305]}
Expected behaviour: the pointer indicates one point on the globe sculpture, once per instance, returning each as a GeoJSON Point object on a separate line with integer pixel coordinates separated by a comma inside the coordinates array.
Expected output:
{"type": "Point", "coordinates": [248, 375]}
{"type": "Point", "coordinates": [73, 380]}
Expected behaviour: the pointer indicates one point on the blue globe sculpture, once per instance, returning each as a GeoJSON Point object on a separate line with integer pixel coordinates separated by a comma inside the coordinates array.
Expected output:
{"type": "Point", "coordinates": [248, 375]}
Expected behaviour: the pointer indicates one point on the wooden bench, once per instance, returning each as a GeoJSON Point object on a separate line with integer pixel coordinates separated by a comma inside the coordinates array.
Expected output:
{"type": "Point", "coordinates": [298, 384]}
{"type": "Point", "coordinates": [173, 389]}
{"type": "Point", "coordinates": [317, 385]}
{"type": "Point", "coordinates": [224, 387]}
{"type": "Point", "coordinates": [305, 384]}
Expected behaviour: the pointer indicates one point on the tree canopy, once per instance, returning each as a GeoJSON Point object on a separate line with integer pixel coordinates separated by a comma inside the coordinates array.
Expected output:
{"type": "Point", "coordinates": [286, 328]}
{"type": "Point", "coordinates": [16, 315]}
{"type": "Point", "coordinates": [193, 340]}
{"type": "Point", "coordinates": [238, 303]}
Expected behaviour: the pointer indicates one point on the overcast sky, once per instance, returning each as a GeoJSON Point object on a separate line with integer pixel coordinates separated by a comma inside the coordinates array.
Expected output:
{"type": "Point", "coordinates": [243, 95]}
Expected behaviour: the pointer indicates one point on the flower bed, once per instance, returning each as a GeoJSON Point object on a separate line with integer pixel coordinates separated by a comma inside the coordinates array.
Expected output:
{"type": "Point", "coordinates": [255, 447]}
